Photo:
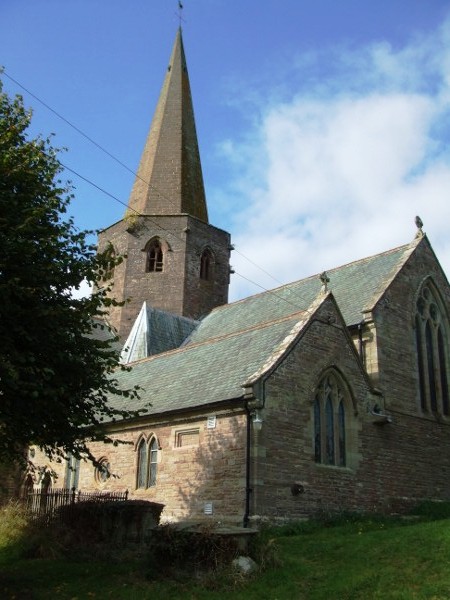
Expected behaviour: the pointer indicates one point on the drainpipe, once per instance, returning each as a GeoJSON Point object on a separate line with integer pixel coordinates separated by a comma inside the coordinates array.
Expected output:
{"type": "Point", "coordinates": [256, 398]}
{"type": "Point", "coordinates": [247, 468]}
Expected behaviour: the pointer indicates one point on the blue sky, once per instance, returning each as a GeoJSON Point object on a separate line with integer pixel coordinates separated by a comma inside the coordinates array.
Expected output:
{"type": "Point", "coordinates": [323, 125]}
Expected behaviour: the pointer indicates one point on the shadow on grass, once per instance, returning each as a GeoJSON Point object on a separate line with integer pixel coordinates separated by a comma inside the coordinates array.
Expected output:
{"type": "Point", "coordinates": [341, 557]}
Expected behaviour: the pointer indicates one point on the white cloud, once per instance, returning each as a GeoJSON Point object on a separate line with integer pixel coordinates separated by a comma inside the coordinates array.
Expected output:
{"type": "Point", "coordinates": [338, 170]}
{"type": "Point", "coordinates": [84, 291]}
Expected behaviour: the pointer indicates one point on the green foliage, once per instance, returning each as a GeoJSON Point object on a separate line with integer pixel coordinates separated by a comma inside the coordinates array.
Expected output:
{"type": "Point", "coordinates": [21, 537]}
{"type": "Point", "coordinates": [354, 560]}
{"type": "Point", "coordinates": [13, 526]}
{"type": "Point", "coordinates": [432, 510]}
{"type": "Point", "coordinates": [55, 373]}
{"type": "Point", "coordinates": [172, 549]}
{"type": "Point", "coordinates": [347, 521]}
{"type": "Point", "coordinates": [264, 550]}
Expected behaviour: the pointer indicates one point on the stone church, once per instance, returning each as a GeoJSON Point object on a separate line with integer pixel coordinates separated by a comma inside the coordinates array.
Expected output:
{"type": "Point", "coordinates": [330, 393]}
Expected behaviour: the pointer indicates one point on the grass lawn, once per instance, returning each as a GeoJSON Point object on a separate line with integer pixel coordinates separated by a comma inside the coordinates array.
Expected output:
{"type": "Point", "coordinates": [362, 559]}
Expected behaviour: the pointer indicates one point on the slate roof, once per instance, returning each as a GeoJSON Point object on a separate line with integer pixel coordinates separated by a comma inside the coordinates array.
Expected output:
{"type": "Point", "coordinates": [155, 331]}
{"type": "Point", "coordinates": [356, 286]}
{"type": "Point", "coordinates": [205, 373]}
{"type": "Point", "coordinates": [101, 331]}
{"type": "Point", "coordinates": [236, 341]}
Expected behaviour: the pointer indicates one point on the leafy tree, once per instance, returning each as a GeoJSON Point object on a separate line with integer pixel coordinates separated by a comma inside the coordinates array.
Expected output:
{"type": "Point", "coordinates": [56, 372]}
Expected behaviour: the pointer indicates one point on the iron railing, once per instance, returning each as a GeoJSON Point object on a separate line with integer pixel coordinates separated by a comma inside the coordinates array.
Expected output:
{"type": "Point", "coordinates": [46, 505]}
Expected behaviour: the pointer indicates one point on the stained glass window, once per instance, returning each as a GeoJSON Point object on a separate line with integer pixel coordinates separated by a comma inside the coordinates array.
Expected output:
{"type": "Point", "coordinates": [329, 417]}
{"type": "Point", "coordinates": [431, 345]}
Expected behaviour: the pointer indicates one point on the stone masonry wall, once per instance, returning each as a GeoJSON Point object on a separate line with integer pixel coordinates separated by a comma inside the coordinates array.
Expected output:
{"type": "Point", "coordinates": [394, 320]}
{"type": "Point", "coordinates": [208, 468]}
{"type": "Point", "coordinates": [178, 288]}
{"type": "Point", "coordinates": [285, 446]}
{"type": "Point", "coordinates": [390, 466]}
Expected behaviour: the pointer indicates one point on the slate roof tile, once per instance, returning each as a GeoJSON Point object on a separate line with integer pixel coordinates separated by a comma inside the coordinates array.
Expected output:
{"type": "Point", "coordinates": [355, 286]}
{"type": "Point", "coordinates": [203, 373]}
{"type": "Point", "coordinates": [234, 341]}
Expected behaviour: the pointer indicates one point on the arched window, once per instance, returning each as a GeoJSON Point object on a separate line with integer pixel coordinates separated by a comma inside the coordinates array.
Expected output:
{"type": "Point", "coordinates": [71, 475]}
{"type": "Point", "coordinates": [431, 327]}
{"type": "Point", "coordinates": [329, 435]}
{"type": "Point", "coordinates": [153, 463]}
{"type": "Point", "coordinates": [330, 421]}
{"type": "Point", "coordinates": [317, 431]}
{"type": "Point", "coordinates": [102, 471]}
{"type": "Point", "coordinates": [142, 464]}
{"type": "Point", "coordinates": [155, 257]}
{"type": "Point", "coordinates": [341, 434]}
{"type": "Point", "coordinates": [206, 264]}
{"type": "Point", "coordinates": [28, 486]}
{"type": "Point", "coordinates": [46, 484]}
{"type": "Point", "coordinates": [147, 463]}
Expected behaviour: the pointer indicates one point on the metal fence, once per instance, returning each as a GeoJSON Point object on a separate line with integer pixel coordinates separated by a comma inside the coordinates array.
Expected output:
{"type": "Point", "coordinates": [46, 505]}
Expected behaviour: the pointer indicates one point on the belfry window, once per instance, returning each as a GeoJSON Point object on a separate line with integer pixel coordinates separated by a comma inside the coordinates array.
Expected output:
{"type": "Point", "coordinates": [155, 257]}
{"type": "Point", "coordinates": [432, 352]}
{"type": "Point", "coordinates": [329, 414]}
{"type": "Point", "coordinates": [206, 265]}
{"type": "Point", "coordinates": [147, 463]}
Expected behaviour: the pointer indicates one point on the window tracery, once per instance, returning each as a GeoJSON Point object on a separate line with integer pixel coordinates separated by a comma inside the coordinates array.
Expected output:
{"type": "Point", "coordinates": [431, 330]}
{"type": "Point", "coordinates": [155, 257]}
{"type": "Point", "coordinates": [329, 415]}
{"type": "Point", "coordinates": [147, 463]}
{"type": "Point", "coordinates": [103, 471]}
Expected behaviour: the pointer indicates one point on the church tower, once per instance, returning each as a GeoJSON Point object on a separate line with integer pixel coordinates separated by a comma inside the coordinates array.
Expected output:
{"type": "Point", "coordinates": [175, 260]}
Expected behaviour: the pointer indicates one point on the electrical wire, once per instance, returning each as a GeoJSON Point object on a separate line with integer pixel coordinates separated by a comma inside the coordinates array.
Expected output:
{"type": "Point", "coordinates": [115, 198]}
{"type": "Point", "coordinates": [118, 161]}
{"type": "Point", "coordinates": [271, 292]}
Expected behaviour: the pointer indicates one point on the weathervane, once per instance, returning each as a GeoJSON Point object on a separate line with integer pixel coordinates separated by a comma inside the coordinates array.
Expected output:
{"type": "Point", "coordinates": [180, 13]}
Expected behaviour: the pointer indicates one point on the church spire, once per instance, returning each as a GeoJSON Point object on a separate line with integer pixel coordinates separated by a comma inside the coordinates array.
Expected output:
{"type": "Point", "coordinates": [169, 179]}
{"type": "Point", "coordinates": [175, 261]}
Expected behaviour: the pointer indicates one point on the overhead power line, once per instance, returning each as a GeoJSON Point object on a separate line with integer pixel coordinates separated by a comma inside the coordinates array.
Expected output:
{"type": "Point", "coordinates": [271, 292]}
{"type": "Point", "coordinates": [122, 164]}
{"type": "Point", "coordinates": [77, 129]}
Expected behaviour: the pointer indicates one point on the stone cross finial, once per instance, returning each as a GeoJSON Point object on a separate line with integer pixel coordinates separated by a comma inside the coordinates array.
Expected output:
{"type": "Point", "coordinates": [419, 224]}
{"type": "Point", "coordinates": [325, 281]}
